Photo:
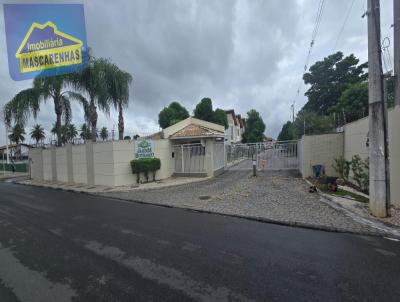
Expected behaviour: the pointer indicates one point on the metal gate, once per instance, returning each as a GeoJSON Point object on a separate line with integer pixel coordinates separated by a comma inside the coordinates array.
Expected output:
{"type": "Point", "coordinates": [279, 155]}
{"type": "Point", "coordinates": [189, 158]}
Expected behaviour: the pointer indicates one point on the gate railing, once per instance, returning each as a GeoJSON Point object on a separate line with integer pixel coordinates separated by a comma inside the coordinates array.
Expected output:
{"type": "Point", "coordinates": [189, 158]}
{"type": "Point", "coordinates": [279, 155]}
{"type": "Point", "coordinates": [268, 155]}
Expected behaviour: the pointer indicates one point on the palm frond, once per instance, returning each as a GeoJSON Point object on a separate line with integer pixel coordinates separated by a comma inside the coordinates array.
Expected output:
{"type": "Point", "coordinates": [22, 106]}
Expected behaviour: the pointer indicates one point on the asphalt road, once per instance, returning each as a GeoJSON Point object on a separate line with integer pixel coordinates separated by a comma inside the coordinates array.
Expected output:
{"type": "Point", "coordinates": [62, 246]}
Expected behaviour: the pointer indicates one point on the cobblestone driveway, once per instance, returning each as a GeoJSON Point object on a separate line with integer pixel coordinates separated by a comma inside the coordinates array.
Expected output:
{"type": "Point", "coordinates": [280, 196]}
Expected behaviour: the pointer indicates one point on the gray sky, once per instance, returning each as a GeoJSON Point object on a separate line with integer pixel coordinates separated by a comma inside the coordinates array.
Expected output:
{"type": "Point", "coordinates": [242, 54]}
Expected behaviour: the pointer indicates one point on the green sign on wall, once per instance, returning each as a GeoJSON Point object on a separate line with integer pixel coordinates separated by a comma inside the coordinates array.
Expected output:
{"type": "Point", "coordinates": [144, 148]}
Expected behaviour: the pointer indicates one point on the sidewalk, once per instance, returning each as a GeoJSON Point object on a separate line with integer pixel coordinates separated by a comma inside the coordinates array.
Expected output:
{"type": "Point", "coordinates": [83, 188]}
{"type": "Point", "coordinates": [10, 175]}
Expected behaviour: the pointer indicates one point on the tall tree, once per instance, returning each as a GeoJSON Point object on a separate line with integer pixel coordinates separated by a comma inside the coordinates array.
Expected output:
{"type": "Point", "coordinates": [28, 101]}
{"type": "Point", "coordinates": [286, 133]}
{"type": "Point", "coordinates": [314, 124]}
{"type": "Point", "coordinates": [70, 132]}
{"type": "Point", "coordinates": [220, 118]}
{"type": "Point", "coordinates": [204, 110]}
{"type": "Point", "coordinates": [255, 128]}
{"type": "Point", "coordinates": [92, 80]}
{"type": "Point", "coordinates": [118, 92]}
{"type": "Point", "coordinates": [17, 134]}
{"type": "Point", "coordinates": [172, 114]}
{"type": "Point", "coordinates": [353, 103]}
{"type": "Point", "coordinates": [104, 133]}
{"type": "Point", "coordinates": [85, 132]}
{"type": "Point", "coordinates": [37, 133]}
{"type": "Point", "coordinates": [329, 78]}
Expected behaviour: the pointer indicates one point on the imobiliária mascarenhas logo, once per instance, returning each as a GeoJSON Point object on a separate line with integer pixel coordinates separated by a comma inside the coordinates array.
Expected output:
{"type": "Point", "coordinates": [44, 39]}
{"type": "Point", "coordinates": [45, 47]}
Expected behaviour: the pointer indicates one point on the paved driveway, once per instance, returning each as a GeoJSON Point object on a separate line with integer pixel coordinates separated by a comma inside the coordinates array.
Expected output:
{"type": "Point", "coordinates": [58, 246]}
{"type": "Point", "coordinates": [280, 196]}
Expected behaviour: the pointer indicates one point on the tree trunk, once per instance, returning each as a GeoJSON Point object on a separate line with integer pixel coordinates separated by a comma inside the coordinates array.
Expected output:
{"type": "Point", "coordinates": [93, 119]}
{"type": "Point", "coordinates": [120, 124]}
{"type": "Point", "coordinates": [58, 110]}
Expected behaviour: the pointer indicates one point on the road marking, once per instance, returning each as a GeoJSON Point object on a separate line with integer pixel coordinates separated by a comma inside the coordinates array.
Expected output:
{"type": "Point", "coordinates": [166, 275]}
{"type": "Point", "coordinates": [392, 239]}
{"type": "Point", "coordinates": [385, 252]}
{"type": "Point", "coordinates": [29, 285]}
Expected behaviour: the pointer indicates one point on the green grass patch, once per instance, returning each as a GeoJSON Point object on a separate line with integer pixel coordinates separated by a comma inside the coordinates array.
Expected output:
{"type": "Point", "coordinates": [343, 193]}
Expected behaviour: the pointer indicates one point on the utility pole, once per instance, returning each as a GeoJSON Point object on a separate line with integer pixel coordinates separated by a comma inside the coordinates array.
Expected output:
{"type": "Point", "coordinates": [377, 161]}
{"type": "Point", "coordinates": [396, 50]}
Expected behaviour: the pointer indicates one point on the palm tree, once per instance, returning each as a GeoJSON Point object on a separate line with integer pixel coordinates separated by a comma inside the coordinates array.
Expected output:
{"type": "Point", "coordinates": [28, 101]}
{"type": "Point", "coordinates": [85, 132]}
{"type": "Point", "coordinates": [37, 133]}
{"type": "Point", "coordinates": [17, 134]}
{"type": "Point", "coordinates": [92, 81]}
{"type": "Point", "coordinates": [104, 133]}
{"type": "Point", "coordinates": [118, 92]}
{"type": "Point", "coordinates": [70, 132]}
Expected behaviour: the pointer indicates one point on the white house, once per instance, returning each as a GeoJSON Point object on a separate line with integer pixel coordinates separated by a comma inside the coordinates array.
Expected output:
{"type": "Point", "coordinates": [236, 127]}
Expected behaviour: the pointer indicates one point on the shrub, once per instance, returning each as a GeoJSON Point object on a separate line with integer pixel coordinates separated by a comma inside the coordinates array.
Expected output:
{"type": "Point", "coordinates": [360, 170]}
{"type": "Point", "coordinates": [145, 165]}
{"type": "Point", "coordinates": [342, 167]}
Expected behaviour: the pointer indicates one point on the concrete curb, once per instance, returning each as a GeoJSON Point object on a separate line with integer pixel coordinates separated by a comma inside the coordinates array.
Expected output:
{"type": "Point", "coordinates": [252, 218]}
{"type": "Point", "coordinates": [392, 231]}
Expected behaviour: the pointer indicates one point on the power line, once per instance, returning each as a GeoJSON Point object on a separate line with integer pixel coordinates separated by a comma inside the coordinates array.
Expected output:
{"type": "Point", "coordinates": [314, 34]}
{"type": "Point", "coordinates": [344, 24]}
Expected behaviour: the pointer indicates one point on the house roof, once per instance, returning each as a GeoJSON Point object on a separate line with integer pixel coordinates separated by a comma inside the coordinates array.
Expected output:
{"type": "Point", "coordinates": [240, 120]}
{"type": "Point", "coordinates": [11, 146]}
{"type": "Point", "coordinates": [155, 136]}
{"type": "Point", "coordinates": [232, 112]}
{"type": "Point", "coordinates": [196, 131]}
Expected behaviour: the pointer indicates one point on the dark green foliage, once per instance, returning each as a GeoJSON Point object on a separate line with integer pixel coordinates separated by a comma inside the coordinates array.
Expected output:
{"type": "Point", "coordinates": [360, 169]}
{"type": "Point", "coordinates": [145, 165]}
{"type": "Point", "coordinates": [85, 132]}
{"type": "Point", "coordinates": [286, 133]}
{"type": "Point", "coordinates": [127, 137]}
{"type": "Point", "coordinates": [314, 124]}
{"type": "Point", "coordinates": [172, 114]}
{"type": "Point", "coordinates": [220, 118]}
{"type": "Point", "coordinates": [104, 133]}
{"type": "Point", "coordinates": [342, 167]}
{"type": "Point", "coordinates": [17, 134]}
{"type": "Point", "coordinates": [329, 78]}
{"type": "Point", "coordinates": [37, 133]}
{"type": "Point", "coordinates": [353, 103]}
{"type": "Point", "coordinates": [255, 128]}
{"type": "Point", "coordinates": [204, 110]}
{"type": "Point", "coordinates": [338, 84]}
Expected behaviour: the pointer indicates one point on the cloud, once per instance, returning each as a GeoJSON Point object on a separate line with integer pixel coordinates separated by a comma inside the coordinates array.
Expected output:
{"type": "Point", "coordinates": [243, 54]}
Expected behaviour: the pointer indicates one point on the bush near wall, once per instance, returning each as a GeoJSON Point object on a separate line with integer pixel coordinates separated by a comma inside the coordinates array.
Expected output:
{"type": "Point", "coordinates": [145, 165]}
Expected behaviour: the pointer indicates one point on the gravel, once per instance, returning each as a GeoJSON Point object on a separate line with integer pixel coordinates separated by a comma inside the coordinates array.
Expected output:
{"type": "Point", "coordinates": [280, 196]}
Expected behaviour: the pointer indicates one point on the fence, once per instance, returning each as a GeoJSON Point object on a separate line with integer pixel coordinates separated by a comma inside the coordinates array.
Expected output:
{"type": "Point", "coordinates": [189, 158]}
{"type": "Point", "coordinates": [218, 155]}
{"type": "Point", "coordinates": [278, 155]}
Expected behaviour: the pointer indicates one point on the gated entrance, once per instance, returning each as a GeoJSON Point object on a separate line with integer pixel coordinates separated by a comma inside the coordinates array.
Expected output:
{"type": "Point", "coordinates": [279, 155]}
{"type": "Point", "coordinates": [189, 158]}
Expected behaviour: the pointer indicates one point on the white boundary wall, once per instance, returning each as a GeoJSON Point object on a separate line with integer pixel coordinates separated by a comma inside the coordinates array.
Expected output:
{"type": "Point", "coordinates": [322, 149]}
{"type": "Point", "coordinates": [100, 163]}
{"type": "Point", "coordinates": [79, 164]}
